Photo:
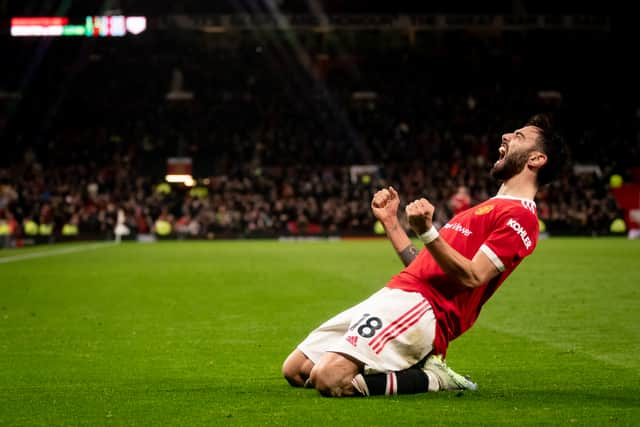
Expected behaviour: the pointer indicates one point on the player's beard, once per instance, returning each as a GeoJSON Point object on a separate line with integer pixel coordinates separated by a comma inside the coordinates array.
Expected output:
{"type": "Point", "coordinates": [510, 166]}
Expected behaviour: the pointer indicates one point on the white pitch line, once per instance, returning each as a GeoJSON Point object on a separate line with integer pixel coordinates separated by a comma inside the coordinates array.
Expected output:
{"type": "Point", "coordinates": [62, 251]}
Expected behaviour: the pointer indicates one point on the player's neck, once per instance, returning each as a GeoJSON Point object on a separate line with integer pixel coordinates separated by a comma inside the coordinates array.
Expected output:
{"type": "Point", "coordinates": [520, 186]}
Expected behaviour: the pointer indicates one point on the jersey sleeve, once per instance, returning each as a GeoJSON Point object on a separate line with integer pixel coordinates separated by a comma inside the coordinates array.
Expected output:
{"type": "Point", "coordinates": [514, 237]}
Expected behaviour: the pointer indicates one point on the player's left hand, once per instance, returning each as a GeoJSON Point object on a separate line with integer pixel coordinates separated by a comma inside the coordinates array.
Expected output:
{"type": "Point", "coordinates": [385, 206]}
{"type": "Point", "coordinates": [420, 215]}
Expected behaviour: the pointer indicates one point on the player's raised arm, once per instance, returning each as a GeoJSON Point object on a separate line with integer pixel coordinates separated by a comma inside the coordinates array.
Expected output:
{"type": "Point", "coordinates": [471, 273]}
{"type": "Point", "coordinates": [385, 208]}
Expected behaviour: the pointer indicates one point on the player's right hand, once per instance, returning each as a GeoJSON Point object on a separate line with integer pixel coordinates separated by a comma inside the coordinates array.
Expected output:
{"type": "Point", "coordinates": [420, 215]}
{"type": "Point", "coordinates": [385, 205]}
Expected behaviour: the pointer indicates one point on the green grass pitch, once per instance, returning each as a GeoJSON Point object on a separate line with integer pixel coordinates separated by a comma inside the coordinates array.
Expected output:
{"type": "Point", "coordinates": [194, 333]}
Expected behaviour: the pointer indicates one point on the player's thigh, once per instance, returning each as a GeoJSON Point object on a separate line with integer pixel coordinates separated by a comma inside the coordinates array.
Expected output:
{"type": "Point", "coordinates": [328, 334]}
{"type": "Point", "coordinates": [297, 367]}
{"type": "Point", "coordinates": [391, 331]}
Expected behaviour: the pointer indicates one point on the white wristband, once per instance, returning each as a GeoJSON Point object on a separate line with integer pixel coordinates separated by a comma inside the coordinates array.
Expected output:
{"type": "Point", "coordinates": [429, 236]}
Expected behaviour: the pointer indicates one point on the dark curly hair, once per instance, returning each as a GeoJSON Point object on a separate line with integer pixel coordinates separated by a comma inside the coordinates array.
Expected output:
{"type": "Point", "coordinates": [553, 144]}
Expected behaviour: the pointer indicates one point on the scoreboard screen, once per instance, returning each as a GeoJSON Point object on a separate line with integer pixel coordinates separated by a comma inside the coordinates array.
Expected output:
{"type": "Point", "coordinates": [93, 26]}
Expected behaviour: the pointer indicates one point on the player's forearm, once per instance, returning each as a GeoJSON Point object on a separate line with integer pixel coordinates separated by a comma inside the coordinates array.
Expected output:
{"type": "Point", "coordinates": [401, 242]}
{"type": "Point", "coordinates": [453, 263]}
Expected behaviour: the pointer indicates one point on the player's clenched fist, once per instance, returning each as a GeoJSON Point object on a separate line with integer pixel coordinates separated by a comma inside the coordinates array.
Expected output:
{"type": "Point", "coordinates": [420, 215]}
{"type": "Point", "coordinates": [385, 205]}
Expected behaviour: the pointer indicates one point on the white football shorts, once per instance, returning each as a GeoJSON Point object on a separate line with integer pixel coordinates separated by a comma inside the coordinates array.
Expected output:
{"type": "Point", "coordinates": [391, 330]}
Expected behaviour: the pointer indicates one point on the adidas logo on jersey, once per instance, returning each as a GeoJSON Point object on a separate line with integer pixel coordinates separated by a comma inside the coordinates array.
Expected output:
{"type": "Point", "coordinates": [353, 340]}
{"type": "Point", "coordinates": [529, 204]}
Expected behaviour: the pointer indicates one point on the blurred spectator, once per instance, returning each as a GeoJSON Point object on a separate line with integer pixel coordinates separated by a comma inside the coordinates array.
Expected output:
{"type": "Point", "coordinates": [460, 201]}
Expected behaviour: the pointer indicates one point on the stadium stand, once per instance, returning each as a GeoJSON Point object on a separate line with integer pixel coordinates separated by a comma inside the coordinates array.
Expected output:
{"type": "Point", "coordinates": [274, 122]}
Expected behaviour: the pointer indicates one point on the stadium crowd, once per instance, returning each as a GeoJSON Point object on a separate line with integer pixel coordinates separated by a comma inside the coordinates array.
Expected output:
{"type": "Point", "coordinates": [274, 125]}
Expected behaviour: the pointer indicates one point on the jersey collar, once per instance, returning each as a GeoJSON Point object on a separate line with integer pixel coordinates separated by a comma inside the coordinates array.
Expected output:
{"type": "Point", "coordinates": [514, 198]}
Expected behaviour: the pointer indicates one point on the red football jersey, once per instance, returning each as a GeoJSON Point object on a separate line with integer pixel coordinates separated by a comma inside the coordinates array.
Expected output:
{"type": "Point", "coordinates": [503, 228]}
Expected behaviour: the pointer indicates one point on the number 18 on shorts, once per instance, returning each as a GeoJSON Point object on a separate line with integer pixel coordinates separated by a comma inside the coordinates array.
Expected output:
{"type": "Point", "coordinates": [391, 330]}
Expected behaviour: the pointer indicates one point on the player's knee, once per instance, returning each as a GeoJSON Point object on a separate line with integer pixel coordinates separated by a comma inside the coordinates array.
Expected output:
{"type": "Point", "coordinates": [296, 368]}
{"type": "Point", "coordinates": [292, 374]}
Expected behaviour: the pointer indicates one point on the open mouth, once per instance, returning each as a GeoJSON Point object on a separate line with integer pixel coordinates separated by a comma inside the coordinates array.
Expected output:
{"type": "Point", "coordinates": [503, 152]}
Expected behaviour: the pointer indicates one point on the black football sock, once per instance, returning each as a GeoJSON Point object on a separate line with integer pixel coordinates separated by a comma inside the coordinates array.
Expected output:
{"type": "Point", "coordinates": [409, 381]}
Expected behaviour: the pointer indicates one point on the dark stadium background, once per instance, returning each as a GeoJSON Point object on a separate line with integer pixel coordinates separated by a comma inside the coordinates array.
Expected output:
{"type": "Point", "coordinates": [279, 116]}
{"type": "Point", "coordinates": [194, 332]}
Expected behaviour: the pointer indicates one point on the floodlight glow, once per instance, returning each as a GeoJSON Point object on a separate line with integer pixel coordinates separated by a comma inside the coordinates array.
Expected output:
{"type": "Point", "coordinates": [183, 179]}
